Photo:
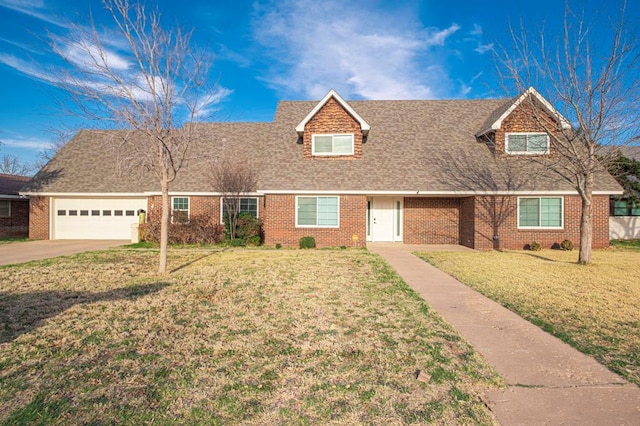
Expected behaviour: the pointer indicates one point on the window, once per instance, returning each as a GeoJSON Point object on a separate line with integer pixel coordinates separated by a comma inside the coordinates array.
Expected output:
{"type": "Point", "coordinates": [180, 209]}
{"type": "Point", "coordinates": [625, 208]}
{"type": "Point", "coordinates": [73, 212]}
{"type": "Point", "coordinates": [332, 145]}
{"type": "Point", "coordinates": [540, 212]}
{"type": "Point", "coordinates": [527, 143]}
{"type": "Point", "coordinates": [317, 211]}
{"type": "Point", "coordinates": [117, 212]}
{"type": "Point", "coordinates": [247, 205]}
{"type": "Point", "coordinates": [106, 212]}
{"type": "Point", "coordinates": [95, 212]}
{"type": "Point", "coordinates": [62, 212]}
{"type": "Point", "coordinates": [84, 212]}
{"type": "Point", "coordinates": [5, 208]}
{"type": "Point", "coordinates": [130, 213]}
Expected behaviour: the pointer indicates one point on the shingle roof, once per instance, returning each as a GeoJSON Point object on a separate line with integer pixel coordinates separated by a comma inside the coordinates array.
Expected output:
{"type": "Point", "coordinates": [412, 146]}
{"type": "Point", "coordinates": [11, 184]}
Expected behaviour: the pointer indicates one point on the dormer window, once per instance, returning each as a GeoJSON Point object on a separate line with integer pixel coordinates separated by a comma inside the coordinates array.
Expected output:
{"type": "Point", "coordinates": [527, 143]}
{"type": "Point", "coordinates": [339, 144]}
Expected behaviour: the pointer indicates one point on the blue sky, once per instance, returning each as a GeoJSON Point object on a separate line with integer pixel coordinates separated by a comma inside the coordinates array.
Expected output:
{"type": "Point", "coordinates": [266, 51]}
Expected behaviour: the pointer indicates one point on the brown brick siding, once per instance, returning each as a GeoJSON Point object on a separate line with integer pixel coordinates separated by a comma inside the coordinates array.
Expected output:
{"type": "Point", "coordinates": [280, 227]}
{"type": "Point", "coordinates": [498, 216]}
{"type": "Point", "coordinates": [431, 220]}
{"type": "Point", "coordinates": [39, 218]}
{"type": "Point", "coordinates": [467, 221]}
{"type": "Point", "coordinates": [207, 206]}
{"type": "Point", "coordinates": [522, 119]}
{"type": "Point", "coordinates": [332, 118]}
{"type": "Point", "coordinates": [17, 224]}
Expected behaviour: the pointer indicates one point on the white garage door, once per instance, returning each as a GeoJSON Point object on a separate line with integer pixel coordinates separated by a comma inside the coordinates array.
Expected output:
{"type": "Point", "coordinates": [95, 218]}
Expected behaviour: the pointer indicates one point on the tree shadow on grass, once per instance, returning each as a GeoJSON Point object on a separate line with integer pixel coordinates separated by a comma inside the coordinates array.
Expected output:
{"type": "Point", "coordinates": [22, 313]}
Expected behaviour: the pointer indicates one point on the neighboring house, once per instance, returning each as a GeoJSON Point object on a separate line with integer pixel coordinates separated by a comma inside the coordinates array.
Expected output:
{"type": "Point", "coordinates": [14, 209]}
{"type": "Point", "coordinates": [624, 222]}
{"type": "Point", "coordinates": [417, 172]}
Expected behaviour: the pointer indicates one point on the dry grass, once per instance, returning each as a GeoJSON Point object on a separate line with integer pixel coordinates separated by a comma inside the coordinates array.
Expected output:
{"type": "Point", "coordinates": [596, 308]}
{"type": "Point", "coordinates": [233, 337]}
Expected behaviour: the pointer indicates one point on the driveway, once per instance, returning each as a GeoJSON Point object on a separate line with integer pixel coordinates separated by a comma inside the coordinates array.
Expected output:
{"type": "Point", "coordinates": [36, 250]}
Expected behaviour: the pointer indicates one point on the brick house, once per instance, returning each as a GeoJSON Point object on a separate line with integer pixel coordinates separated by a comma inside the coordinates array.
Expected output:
{"type": "Point", "coordinates": [14, 209]}
{"type": "Point", "coordinates": [413, 172]}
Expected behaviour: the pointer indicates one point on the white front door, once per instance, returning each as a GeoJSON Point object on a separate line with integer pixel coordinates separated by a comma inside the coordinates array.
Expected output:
{"type": "Point", "coordinates": [385, 219]}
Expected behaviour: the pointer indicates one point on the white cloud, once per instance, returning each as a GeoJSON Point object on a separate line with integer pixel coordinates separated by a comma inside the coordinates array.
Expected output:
{"type": "Point", "coordinates": [34, 8]}
{"type": "Point", "coordinates": [357, 50]}
{"type": "Point", "coordinates": [483, 48]}
{"type": "Point", "coordinates": [476, 31]}
{"type": "Point", "coordinates": [32, 144]}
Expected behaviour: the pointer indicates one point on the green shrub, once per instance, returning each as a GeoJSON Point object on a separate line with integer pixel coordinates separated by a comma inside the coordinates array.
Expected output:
{"type": "Point", "coordinates": [566, 245]}
{"type": "Point", "coordinates": [535, 246]}
{"type": "Point", "coordinates": [278, 246]}
{"type": "Point", "coordinates": [249, 229]}
{"type": "Point", "coordinates": [236, 242]}
{"type": "Point", "coordinates": [307, 242]}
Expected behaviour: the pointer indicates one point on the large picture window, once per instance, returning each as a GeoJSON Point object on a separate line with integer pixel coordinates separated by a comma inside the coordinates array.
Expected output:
{"type": "Point", "coordinates": [317, 211]}
{"type": "Point", "coordinates": [625, 208]}
{"type": "Point", "coordinates": [527, 143]}
{"type": "Point", "coordinates": [540, 212]}
{"type": "Point", "coordinates": [180, 209]}
{"type": "Point", "coordinates": [332, 144]}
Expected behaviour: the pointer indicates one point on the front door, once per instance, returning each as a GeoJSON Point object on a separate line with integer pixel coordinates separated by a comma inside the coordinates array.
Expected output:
{"type": "Point", "coordinates": [385, 216]}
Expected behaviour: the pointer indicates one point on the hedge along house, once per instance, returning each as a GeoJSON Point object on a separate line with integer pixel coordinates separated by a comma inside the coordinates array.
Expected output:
{"type": "Point", "coordinates": [346, 173]}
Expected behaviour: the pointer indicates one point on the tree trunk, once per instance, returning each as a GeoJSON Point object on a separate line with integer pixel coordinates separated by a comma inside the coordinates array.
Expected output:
{"type": "Point", "coordinates": [164, 225]}
{"type": "Point", "coordinates": [586, 223]}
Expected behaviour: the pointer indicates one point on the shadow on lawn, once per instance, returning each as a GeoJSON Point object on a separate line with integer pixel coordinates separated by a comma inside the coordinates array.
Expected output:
{"type": "Point", "coordinates": [21, 313]}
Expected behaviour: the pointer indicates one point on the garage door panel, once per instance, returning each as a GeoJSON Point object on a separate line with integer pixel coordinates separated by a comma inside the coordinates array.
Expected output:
{"type": "Point", "coordinates": [97, 218]}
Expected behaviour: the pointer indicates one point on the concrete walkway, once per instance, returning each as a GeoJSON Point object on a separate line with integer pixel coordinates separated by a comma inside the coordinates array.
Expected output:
{"type": "Point", "coordinates": [37, 250]}
{"type": "Point", "coordinates": [550, 383]}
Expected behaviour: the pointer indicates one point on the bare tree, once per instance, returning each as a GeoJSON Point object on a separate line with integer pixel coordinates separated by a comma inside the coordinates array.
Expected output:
{"type": "Point", "coordinates": [12, 165]}
{"type": "Point", "coordinates": [146, 79]}
{"type": "Point", "coordinates": [589, 71]}
{"type": "Point", "coordinates": [233, 178]}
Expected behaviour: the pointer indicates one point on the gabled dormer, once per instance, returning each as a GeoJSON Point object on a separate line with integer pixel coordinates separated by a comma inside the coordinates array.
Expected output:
{"type": "Point", "coordinates": [523, 127]}
{"type": "Point", "coordinates": [332, 130]}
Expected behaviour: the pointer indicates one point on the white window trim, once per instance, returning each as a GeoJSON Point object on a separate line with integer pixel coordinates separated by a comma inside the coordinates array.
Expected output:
{"type": "Point", "coordinates": [9, 215]}
{"type": "Point", "coordinates": [188, 208]}
{"type": "Point", "coordinates": [317, 226]}
{"type": "Point", "coordinates": [332, 154]}
{"type": "Point", "coordinates": [506, 144]}
{"type": "Point", "coordinates": [222, 206]}
{"type": "Point", "coordinates": [542, 227]}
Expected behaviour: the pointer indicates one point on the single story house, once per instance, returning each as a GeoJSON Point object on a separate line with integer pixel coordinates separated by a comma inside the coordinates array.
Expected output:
{"type": "Point", "coordinates": [346, 173]}
{"type": "Point", "coordinates": [14, 209]}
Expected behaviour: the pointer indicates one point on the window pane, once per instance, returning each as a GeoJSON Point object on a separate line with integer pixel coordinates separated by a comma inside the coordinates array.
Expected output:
{"type": "Point", "coordinates": [529, 212]}
{"type": "Point", "coordinates": [343, 144]}
{"type": "Point", "coordinates": [327, 211]}
{"type": "Point", "coordinates": [537, 143]}
{"type": "Point", "coordinates": [181, 203]}
{"type": "Point", "coordinates": [5, 208]}
{"type": "Point", "coordinates": [620, 208]}
{"type": "Point", "coordinates": [249, 205]}
{"type": "Point", "coordinates": [635, 209]}
{"type": "Point", "coordinates": [551, 212]}
{"type": "Point", "coordinates": [517, 143]}
{"type": "Point", "coordinates": [307, 211]}
{"type": "Point", "coordinates": [323, 144]}
{"type": "Point", "coordinates": [60, 213]}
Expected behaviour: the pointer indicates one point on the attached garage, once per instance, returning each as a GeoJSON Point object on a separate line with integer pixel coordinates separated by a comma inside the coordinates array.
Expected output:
{"type": "Point", "coordinates": [95, 218]}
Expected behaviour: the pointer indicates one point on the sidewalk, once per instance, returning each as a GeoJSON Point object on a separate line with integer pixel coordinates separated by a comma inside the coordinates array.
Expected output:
{"type": "Point", "coordinates": [550, 383]}
{"type": "Point", "coordinates": [27, 251]}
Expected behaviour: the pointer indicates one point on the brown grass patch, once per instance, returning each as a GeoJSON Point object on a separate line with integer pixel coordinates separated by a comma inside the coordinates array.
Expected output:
{"type": "Point", "coordinates": [251, 337]}
{"type": "Point", "coordinates": [596, 307]}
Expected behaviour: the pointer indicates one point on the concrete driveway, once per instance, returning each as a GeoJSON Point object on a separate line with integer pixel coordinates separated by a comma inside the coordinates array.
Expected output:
{"type": "Point", "coordinates": [36, 250]}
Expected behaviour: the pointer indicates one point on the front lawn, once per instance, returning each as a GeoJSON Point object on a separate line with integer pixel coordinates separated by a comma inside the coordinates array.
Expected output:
{"type": "Point", "coordinates": [252, 337]}
{"type": "Point", "coordinates": [595, 308]}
